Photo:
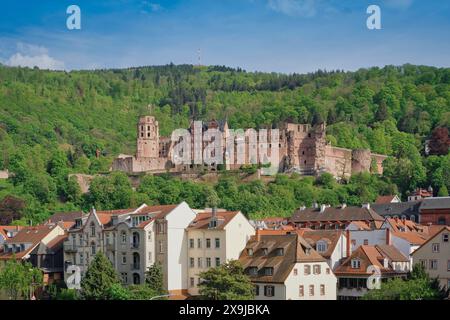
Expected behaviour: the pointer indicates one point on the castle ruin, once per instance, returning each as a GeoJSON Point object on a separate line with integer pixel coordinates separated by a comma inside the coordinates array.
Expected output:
{"type": "Point", "coordinates": [302, 148]}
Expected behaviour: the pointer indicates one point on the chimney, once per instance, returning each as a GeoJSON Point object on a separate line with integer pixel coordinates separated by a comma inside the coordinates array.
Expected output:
{"type": "Point", "coordinates": [388, 236]}
{"type": "Point", "coordinates": [315, 205]}
{"type": "Point", "coordinates": [385, 263]}
{"type": "Point", "coordinates": [258, 235]}
{"type": "Point", "coordinates": [302, 208]}
{"type": "Point", "coordinates": [366, 205]}
{"type": "Point", "coordinates": [214, 213]}
{"type": "Point", "coordinates": [348, 242]}
{"type": "Point", "coordinates": [323, 207]}
{"type": "Point", "coordinates": [344, 205]}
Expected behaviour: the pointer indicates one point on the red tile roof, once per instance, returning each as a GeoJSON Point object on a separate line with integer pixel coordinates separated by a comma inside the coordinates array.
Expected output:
{"type": "Point", "coordinates": [385, 199]}
{"type": "Point", "coordinates": [202, 219]}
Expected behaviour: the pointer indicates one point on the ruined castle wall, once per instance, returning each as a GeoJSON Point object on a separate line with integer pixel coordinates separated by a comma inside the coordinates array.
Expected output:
{"type": "Point", "coordinates": [361, 160]}
{"type": "Point", "coordinates": [379, 158]}
{"type": "Point", "coordinates": [338, 161]}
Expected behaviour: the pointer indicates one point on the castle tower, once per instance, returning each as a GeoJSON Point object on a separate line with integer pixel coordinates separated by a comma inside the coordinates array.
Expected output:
{"type": "Point", "coordinates": [148, 138]}
{"type": "Point", "coordinates": [319, 146]}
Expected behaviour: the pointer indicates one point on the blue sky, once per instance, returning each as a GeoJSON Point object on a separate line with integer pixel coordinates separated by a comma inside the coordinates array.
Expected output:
{"type": "Point", "coordinates": [257, 35]}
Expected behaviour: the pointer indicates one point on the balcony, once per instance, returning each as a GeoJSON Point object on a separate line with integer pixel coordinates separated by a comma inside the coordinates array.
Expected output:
{"type": "Point", "coordinates": [70, 248]}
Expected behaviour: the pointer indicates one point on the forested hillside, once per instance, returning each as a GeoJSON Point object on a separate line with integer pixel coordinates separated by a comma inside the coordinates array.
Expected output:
{"type": "Point", "coordinates": [52, 123]}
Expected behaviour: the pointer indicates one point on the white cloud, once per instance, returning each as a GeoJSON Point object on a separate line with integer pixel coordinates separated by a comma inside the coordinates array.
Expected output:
{"type": "Point", "coordinates": [31, 56]}
{"type": "Point", "coordinates": [399, 4]}
{"type": "Point", "coordinates": [148, 7]}
{"type": "Point", "coordinates": [306, 8]}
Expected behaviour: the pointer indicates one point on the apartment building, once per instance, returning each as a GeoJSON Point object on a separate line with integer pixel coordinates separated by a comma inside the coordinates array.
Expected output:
{"type": "Point", "coordinates": [133, 240]}
{"type": "Point", "coordinates": [434, 255]}
{"type": "Point", "coordinates": [378, 263]}
{"type": "Point", "coordinates": [286, 267]}
{"type": "Point", "coordinates": [214, 237]}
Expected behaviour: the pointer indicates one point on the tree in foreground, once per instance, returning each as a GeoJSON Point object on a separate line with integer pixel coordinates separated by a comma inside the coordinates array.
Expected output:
{"type": "Point", "coordinates": [418, 286]}
{"type": "Point", "coordinates": [154, 279]}
{"type": "Point", "coordinates": [20, 280]}
{"type": "Point", "coordinates": [99, 279]}
{"type": "Point", "coordinates": [226, 282]}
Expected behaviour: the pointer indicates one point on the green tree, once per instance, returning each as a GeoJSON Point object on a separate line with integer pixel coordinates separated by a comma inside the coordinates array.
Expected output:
{"type": "Point", "coordinates": [20, 279]}
{"type": "Point", "coordinates": [443, 192]}
{"type": "Point", "coordinates": [99, 278]}
{"type": "Point", "coordinates": [154, 278]}
{"type": "Point", "coordinates": [226, 282]}
{"type": "Point", "coordinates": [418, 286]}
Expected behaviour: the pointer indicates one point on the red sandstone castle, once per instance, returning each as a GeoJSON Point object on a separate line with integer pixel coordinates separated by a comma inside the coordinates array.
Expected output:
{"type": "Point", "coordinates": [302, 148]}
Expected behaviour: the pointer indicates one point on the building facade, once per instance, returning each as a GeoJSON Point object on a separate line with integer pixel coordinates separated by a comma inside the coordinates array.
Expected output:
{"type": "Point", "coordinates": [214, 237]}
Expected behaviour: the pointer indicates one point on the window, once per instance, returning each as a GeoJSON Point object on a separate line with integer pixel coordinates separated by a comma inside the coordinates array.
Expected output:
{"type": "Point", "coordinates": [191, 243]}
{"type": "Point", "coordinates": [321, 246]}
{"type": "Point", "coordinates": [217, 243]}
{"type": "Point", "coordinates": [295, 272]}
{"type": "Point", "coordinates": [253, 271]}
{"type": "Point", "coordinates": [256, 290]}
{"type": "Point", "coordinates": [199, 243]}
{"type": "Point", "coordinates": [150, 257]}
{"type": "Point", "coordinates": [328, 271]}
{"type": "Point", "coordinates": [448, 265]}
{"type": "Point", "coordinates": [269, 291]}
{"type": "Point", "coordinates": [124, 237]}
{"type": "Point", "coordinates": [208, 262]}
{"type": "Point", "coordinates": [445, 237]}
{"type": "Point", "coordinates": [250, 252]}
{"type": "Point", "coordinates": [265, 251]}
{"type": "Point", "coordinates": [435, 247]}
{"type": "Point", "coordinates": [92, 248]}
{"type": "Point", "coordinates": [317, 269]}
{"type": "Point", "coordinates": [191, 262]}
{"type": "Point", "coordinates": [423, 263]}
{"type": "Point", "coordinates": [311, 290]}
{"type": "Point", "coordinates": [322, 289]}
{"type": "Point", "coordinates": [208, 243]}
{"type": "Point", "coordinates": [199, 262]}
{"type": "Point", "coordinates": [268, 271]}
{"type": "Point", "coordinates": [366, 242]}
{"type": "Point", "coordinates": [433, 264]}
{"type": "Point", "coordinates": [217, 262]}
{"type": "Point", "coordinates": [124, 277]}
{"type": "Point", "coordinates": [161, 246]}
{"type": "Point", "coordinates": [92, 229]}
{"type": "Point", "coordinates": [356, 263]}
{"type": "Point", "coordinates": [307, 270]}
{"type": "Point", "coordinates": [81, 258]}
{"type": "Point", "coordinates": [124, 258]}
{"type": "Point", "coordinates": [192, 281]}
{"type": "Point", "coordinates": [279, 252]}
{"type": "Point", "coordinates": [150, 236]}
{"type": "Point", "coordinates": [301, 291]}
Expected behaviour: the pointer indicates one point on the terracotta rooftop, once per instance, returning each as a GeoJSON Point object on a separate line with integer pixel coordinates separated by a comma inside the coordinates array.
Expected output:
{"type": "Point", "coordinates": [65, 216]}
{"type": "Point", "coordinates": [371, 255]}
{"type": "Point", "coordinates": [203, 219]}
{"type": "Point", "coordinates": [331, 238]}
{"type": "Point", "coordinates": [5, 229]}
{"type": "Point", "coordinates": [385, 199]}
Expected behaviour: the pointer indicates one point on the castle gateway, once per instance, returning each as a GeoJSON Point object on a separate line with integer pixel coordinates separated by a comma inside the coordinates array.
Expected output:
{"type": "Point", "coordinates": [300, 148]}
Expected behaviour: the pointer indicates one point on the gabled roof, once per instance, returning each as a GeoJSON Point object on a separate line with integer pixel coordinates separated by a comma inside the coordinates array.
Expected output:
{"type": "Point", "coordinates": [295, 248]}
{"type": "Point", "coordinates": [371, 255]}
{"type": "Point", "coordinates": [437, 234]}
{"type": "Point", "coordinates": [335, 214]}
{"type": "Point", "coordinates": [435, 203]}
{"type": "Point", "coordinates": [412, 237]}
{"type": "Point", "coordinates": [5, 229]}
{"type": "Point", "coordinates": [386, 199]}
{"type": "Point", "coordinates": [65, 216]}
{"type": "Point", "coordinates": [203, 219]}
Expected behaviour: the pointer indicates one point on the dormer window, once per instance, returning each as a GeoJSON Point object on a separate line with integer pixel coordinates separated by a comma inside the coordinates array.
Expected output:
{"type": "Point", "coordinates": [280, 252]}
{"type": "Point", "coordinates": [356, 263]}
{"type": "Point", "coordinates": [268, 271]}
{"type": "Point", "coordinates": [250, 252]}
{"type": "Point", "coordinates": [253, 271]}
{"type": "Point", "coordinates": [212, 224]}
{"type": "Point", "coordinates": [265, 251]}
{"type": "Point", "coordinates": [78, 223]}
{"type": "Point", "coordinates": [321, 246]}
